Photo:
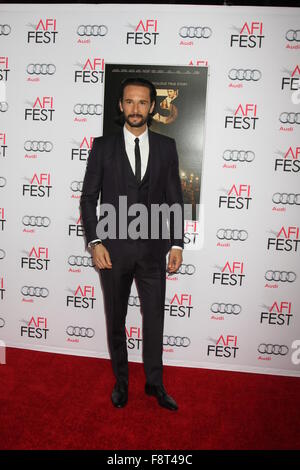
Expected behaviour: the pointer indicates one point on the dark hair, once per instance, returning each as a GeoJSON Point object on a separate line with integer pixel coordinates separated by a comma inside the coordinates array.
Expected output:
{"type": "Point", "coordinates": [140, 82]}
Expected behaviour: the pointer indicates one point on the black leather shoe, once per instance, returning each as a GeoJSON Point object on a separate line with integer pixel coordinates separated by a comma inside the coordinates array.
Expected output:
{"type": "Point", "coordinates": [163, 398]}
{"type": "Point", "coordinates": [119, 395]}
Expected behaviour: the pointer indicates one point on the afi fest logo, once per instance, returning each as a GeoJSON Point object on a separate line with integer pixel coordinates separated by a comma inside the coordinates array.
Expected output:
{"type": "Point", "coordinates": [289, 162]}
{"type": "Point", "coordinates": [134, 337]}
{"type": "Point", "coordinates": [39, 186]}
{"type": "Point", "coordinates": [287, 239]}
{"type": "Point", "coordinates": [43, 33]}
{"type": "Point", "coordinates": [2, 219]}
{"type": "Point", "coordinates": [145, 33]}
{"type": "Point", "coordinates": [292, 82]}
{"type": "Point", "coordinates": [250, 36]}
{"type": "Point", "coordinates": [3, 145]}
{"type": "Point", "coordinates": [4, 68]}
{"type": "Point", "coordinates": [243, 117]}
{"type": "Point", "coordinates": [35, 328]}
{"type": "Point", "coordinates": [230, 275]}
{"type": "Point", "coordinates": [225, 346]}
{"type": "Point", "coordinates": [92, 71]}
{"type": "Point", "coordinates": [278, 314]}
{"type": "Point", "coordinates": [82, 297]}
{"type": "Point", "coordinates": [38, 258]}
{"type": "Point", "coordinates": [82, 149]}
{"type": "Point", "coordinates": [238, 197]}
{"type": "Point", "coordinates": [76, 229]}
{"type": "Point", "coordinates": [41, 110]}
{"type": "Point", "coordinates": [2, 288]}
{"type": "Point", "coordinates": [180, 305]}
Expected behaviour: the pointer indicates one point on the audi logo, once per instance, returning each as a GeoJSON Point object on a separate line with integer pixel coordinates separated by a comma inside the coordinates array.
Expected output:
{"type": "Point", "coordinates": [176, 341]}
{"type": "Point", "coordinates": [76, 186]}
{"type": "Point", "coordinates": [239, 155]}
{"type": "Point", "coordinates": [38, 145]}
{"type": "Point", "coordinates": [92, 30]}
{"type": "Point", "coordinates": [85, 261]}
{"type": "Point", "coordinates": [32, 291]}
{"type": "Point", "coordinates": [2, 322]}
{"type": "Point", "coordinates": [5, 29]}
{"type": "Point", "coordinates": [280, 276]}
{"type": "Point", "coordinates": [36, 221]}
{"type": "Point", "coordinates": [41, 69]}
{"type": "Point", "coordinates": [195, 32]}
{"type": "Point", "coordinates": [293, 35]}
{"type": "Point", "coordinates": [134, 301]}
{"type": "Point", "coordinates": [289, 118]}
{"type": "Point", "coordinates": [188, 269]}
{"type": "Point", "coordinates": [285, 198]}
{"type": "Point", "coordinates": [244, 74]}
{"type": "Point", "coordinates": [232, 234]}
{"type": "Point", "coordinates": [2, 181]}
{"type": "Point", "coordinates": [221, 307]}
{"type": "Point", "coordinates": [2, 254]}
{"type": "Point", "coordinates": [3, 106]}
{"type": "Point", "coordinates": [276, 349]}
{"type": "Point", "coordinates": [80, 331]}
{"type": "Point", "coordinates": [90, 109]}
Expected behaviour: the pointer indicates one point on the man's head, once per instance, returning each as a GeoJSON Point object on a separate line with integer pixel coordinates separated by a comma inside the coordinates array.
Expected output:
{"type": "Point", "coordinates": [137, 100]}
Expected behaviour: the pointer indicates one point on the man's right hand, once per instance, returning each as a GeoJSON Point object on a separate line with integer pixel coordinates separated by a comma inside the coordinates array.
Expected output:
{"type": "Point", "coordinates": [101, 257]}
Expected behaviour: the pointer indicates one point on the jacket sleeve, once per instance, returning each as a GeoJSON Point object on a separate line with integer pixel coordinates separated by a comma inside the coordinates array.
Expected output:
{"type": "Point", "coordinates": [91, 188]}
{"type": "Point", "coordinates": [174, 196]}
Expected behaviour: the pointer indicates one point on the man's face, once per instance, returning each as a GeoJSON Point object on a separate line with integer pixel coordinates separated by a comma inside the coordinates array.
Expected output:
{"type": "Point", "coordinates": [136, 105]}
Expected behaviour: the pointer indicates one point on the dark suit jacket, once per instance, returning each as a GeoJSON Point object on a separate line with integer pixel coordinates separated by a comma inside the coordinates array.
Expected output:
{"type": "Point", "coordinates": [106, 173]}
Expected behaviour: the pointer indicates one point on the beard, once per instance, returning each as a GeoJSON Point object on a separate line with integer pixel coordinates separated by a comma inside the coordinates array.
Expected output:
{"type": "Point", "coordinates": [139, 123]}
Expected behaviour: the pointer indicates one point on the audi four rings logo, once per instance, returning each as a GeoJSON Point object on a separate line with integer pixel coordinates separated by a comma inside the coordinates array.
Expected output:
{"type": "Point", "coordinates": [219, 307]}
{"type": "Point", "coordinates": [232, 234]}
{"type": "Point", "coordinates": [282, 276]}
{"type": "Point", "coordinates": [244, 74]}
{"type": "Point", "coordinates": [90, 109]}
{"type": "Point", "coordinates": [32, 291]}
{"type": "Point", "coordinates": [285, 198]}
{"type": "Point", "coordinates": [195, 32]}
{"type": "Point", "coordinates": [76, 186]}
{"type": "Point", "coordinates": [134, 301]}
{"type": "Point", "coordinates": [80, 331]}
{"type": "Point", "coordinates": [41, 69]}
{"type": "Point", "coordinates": [276, 349]}
{"type": "Point", "coordinates": [293, 35]}
{"type": "Point", "coordinates": [36, 221]}
{"type": "Point", "coordinates": [2, 322]}
{"type": "Point", "coordinates": [2, 181]}
{"type": "Point", "coordinates": [38, 145]}
{"type": "Point", "coordinates": [176, 341]}
{"type": "Point", "coordinates": [3, 106]}
{"type": "Point", "coordinates": [92, 30]}
{"type": "Point", "coordinates": [81, 261]}
{"type": "Point", "coordinates": [2, 254]}
{"type": "Point", "coordinates": [289, 118]}
{"type": "Point", "coordinates": [239, 155]}
{"type": "Point", "coordinates": [188, 269]}
{"type": "Point", "coordinates": [5, 29]}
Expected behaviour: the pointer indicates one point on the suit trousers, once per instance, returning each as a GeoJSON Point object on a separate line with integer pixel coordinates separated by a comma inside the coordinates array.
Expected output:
{"type": "Point", "coordinates": [136, 262]}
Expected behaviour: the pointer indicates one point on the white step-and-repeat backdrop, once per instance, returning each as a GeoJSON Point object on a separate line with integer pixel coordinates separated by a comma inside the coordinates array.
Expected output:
{"type": "Point", "coordinates": [234, 304]}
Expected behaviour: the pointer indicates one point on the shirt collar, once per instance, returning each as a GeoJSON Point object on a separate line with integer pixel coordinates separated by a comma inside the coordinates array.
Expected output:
{"type": "Point", "coordinates": [129, 137]}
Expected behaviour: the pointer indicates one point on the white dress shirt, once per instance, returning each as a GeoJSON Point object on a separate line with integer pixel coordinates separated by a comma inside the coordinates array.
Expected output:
{"type": "Point", "coordinates": [144, 151]}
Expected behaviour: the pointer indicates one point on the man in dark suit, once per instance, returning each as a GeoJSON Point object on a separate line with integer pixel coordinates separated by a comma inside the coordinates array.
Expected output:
{"type": "Point", "coordinates": [143, 166]}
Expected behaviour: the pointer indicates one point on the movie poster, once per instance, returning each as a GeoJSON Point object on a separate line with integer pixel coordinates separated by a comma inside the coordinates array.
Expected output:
{"type": "Point", "coordinates": [179, 113]}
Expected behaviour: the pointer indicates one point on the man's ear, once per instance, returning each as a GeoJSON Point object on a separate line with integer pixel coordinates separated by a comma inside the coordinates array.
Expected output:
{"type": "Point", "coordinates": [120, 106]}
{"type": "Point", "coordinates": [152, 107]}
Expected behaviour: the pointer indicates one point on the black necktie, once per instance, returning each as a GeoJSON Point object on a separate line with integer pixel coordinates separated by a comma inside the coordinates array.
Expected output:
{"type": "Point", "coordinates": [137, 160]}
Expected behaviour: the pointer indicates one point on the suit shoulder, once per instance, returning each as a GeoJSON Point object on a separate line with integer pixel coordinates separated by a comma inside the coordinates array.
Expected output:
{"type": "Point", "coordinates": [164, 139]}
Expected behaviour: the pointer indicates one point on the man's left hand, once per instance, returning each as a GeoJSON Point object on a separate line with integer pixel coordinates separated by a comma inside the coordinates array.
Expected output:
{"type": "Point", "coordinates": [175, 260]}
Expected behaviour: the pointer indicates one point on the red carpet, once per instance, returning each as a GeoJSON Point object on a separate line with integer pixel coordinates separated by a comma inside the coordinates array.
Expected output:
{"type": "Point", "coordinates": [54, 401]}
